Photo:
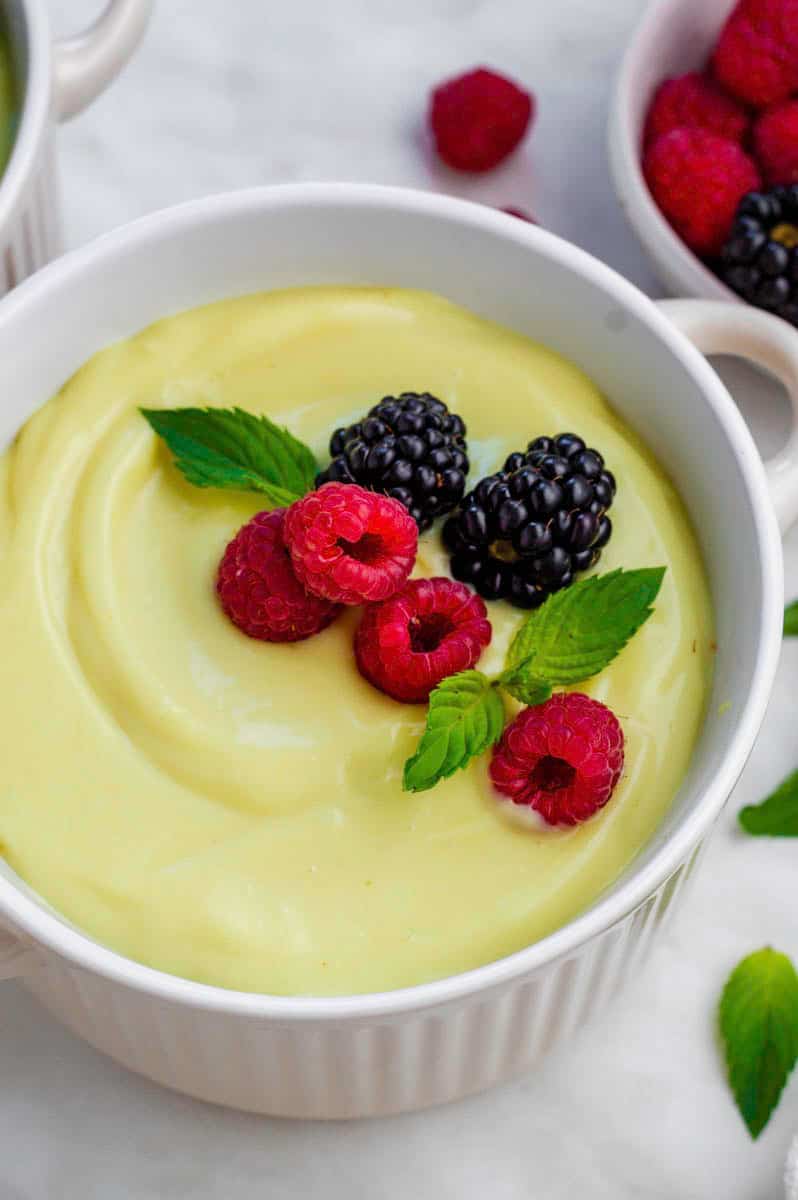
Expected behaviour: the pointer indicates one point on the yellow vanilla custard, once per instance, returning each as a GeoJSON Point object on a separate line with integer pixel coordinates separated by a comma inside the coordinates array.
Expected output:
{"type": "Point", "coordinates": [230, 810]}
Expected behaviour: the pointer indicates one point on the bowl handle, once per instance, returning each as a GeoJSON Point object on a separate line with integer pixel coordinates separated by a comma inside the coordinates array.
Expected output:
{"type": "Point", "coordinates": [717, 327]}
{"type": "Point", "coordinates": [84, 65]}
{"type": "Point", "coordinates": [16, 958]}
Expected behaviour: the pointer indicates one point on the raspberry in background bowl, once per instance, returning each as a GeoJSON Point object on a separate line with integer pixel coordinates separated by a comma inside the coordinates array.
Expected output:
{"type": "Point", "coordinates": [719, 155]}
{"type": "Point", "coordinates": [674, 37]}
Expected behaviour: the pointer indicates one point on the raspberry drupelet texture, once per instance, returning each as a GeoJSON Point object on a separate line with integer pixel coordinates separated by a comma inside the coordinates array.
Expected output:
{"type": "Point", "coordinates": [527, 530]}
{"type": "Point", "coordinates": [349, 545]}
{"type": "Point", "coordinates": [478, 119]}
{"type": "Point", "coordinates": [259, 591]}
{"type": "Point", "coordinates": [431, 629]}
{"type": "Point", "coordinates": [776, 143]}
{"type": "Point", "coordinates": [562, 758]}
{"type": "Point", "coordinates": [695, 101]}
{"type": "Point", "coordinates": [410, 447]}
{"type": "Point", "coordinates": [697, 179]}
{"type": "Point", "coordinates": [756, 57]}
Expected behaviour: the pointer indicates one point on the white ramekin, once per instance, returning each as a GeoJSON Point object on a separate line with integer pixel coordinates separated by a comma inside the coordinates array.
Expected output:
{"type": "Point", "coordinates": [673, 37]}
{"type": "Point", "coordinates": [56, 81]}
{"type": "Point", "coordinates": [370, 1054]}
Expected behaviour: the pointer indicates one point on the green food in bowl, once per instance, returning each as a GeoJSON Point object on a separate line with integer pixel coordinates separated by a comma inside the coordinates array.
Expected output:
{"type": "Point", "coordinates": [9, 107]}
{"type": "Point", "coordinates": [230, 810]}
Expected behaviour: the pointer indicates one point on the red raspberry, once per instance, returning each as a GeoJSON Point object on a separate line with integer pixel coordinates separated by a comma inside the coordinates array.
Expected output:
{"type": "Point", "coordinates": [521, 213]}
{"type": "Point", "coordinates": [694, 102]}
{"type": "Point", "coordinates": [478, 119]}
{"type": "Point", "coordinates": [697, 180]}
{"type": "Point", "coordinates": [756, 57]}
{"type": "Point", "coordinates": [350, 545]}
{"type": "Point", "coordinates": [776, 143]}
{"type": "Point", "coordinates": [562, 758]}
{"type": "Point", "coordinates": [259, 590]}
{"type": "Point", "coordinates": [431, 629]}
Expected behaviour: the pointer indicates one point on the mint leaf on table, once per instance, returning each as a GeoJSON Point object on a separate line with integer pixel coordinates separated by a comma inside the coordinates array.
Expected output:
{"type": "Point", "coordinates": [791, 620]}
{"type": "Point", "coordinates": [465, 717]}
{"type": "Point", "coordinates": [759, 1026]}
{"type": "Point", "coordinates": [776, 815]}
{"type": "Point", "coordinates": [578, 632]}
{"type": "Point", "coordinates": [231, 448]}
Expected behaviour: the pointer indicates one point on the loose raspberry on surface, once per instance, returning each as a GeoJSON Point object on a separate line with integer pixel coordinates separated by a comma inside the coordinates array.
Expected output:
{"type": "Point", "coordinates": [562, 758]}
{"type": "Point", "coordinates": [349, 545]}
{"type": "Point", "coordinates": [433, 628]}
{"type": "Point", "coordinates": [478, 119]}
{"type": "Point", "coordinates": [258, 589]}
{"type": "Point", "coordinates": [776, 143]}
{"type": "Point", "coordinates": [756, 57]}
{"type": "Point", "coordinates": [521, 213]}
{"type": "Point", "coordinates": [697, 179]}
{"type": "Point", "coordinates": [695, 101]}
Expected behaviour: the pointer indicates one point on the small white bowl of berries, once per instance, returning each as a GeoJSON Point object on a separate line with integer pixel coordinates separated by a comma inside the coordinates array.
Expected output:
{"type": "Point", "coordinates": [703, 143]}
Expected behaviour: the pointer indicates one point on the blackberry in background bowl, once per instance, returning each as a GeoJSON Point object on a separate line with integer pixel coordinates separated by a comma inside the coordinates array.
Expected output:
{"type": "Point", "coordinates": [409, 447]}
{"type": "Point", "coordinates": [760, 258]}
{"type": "Point", "coordinates": [529, 529]}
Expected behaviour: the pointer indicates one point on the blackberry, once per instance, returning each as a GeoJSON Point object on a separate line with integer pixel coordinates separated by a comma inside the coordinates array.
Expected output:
{"type": "Point", "coordinates": [410, 447]}
{"type": "Point", "coordinates": [528, 530]}
{"type": "Point", "coordinates": [760, 258]}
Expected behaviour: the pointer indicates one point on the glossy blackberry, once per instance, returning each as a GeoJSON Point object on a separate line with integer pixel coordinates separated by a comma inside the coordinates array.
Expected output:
{"type": "Point", "coordinates": [760, 258]}
{"type": "Point", "coordinates": [410, 447]}
{"type": "Point", "coordinates": [528, 530]}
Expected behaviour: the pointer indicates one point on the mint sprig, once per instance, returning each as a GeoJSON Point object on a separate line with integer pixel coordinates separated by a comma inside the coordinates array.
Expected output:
{"type": "Point", "coordinates": [573, 636]}
{"type": "Point", "coordinates": [231, 448]}
{"type": "Point", "coordinates": [791, 620]}
{"type": "Point", "coordinates": [776, 815]}
{"type": "Point", "coordinates": [759, 1025]}
{"type": "Point", "coordinates": [578, 632]}
{"type": "Point", "coordinates": [465, 718]}
{"type": "Point", "coordinates": [759, 1006]}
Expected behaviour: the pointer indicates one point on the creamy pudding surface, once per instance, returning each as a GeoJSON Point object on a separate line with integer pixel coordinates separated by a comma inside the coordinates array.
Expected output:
{"type": "Point", "coordinates": [8, 102]}
{"type": "Point", "coordinates": [230, 810]}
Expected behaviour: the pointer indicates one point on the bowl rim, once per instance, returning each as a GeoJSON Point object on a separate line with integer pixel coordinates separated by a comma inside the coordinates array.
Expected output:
{"type": "Point", "coordinates": [46, 928]}
{"type": "Point", "coordinates": [34, 101]}
{"type": "Point", "coordinates": [672, 256]}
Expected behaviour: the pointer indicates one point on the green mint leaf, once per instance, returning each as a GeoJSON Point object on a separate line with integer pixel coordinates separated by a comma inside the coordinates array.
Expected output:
{"type": "Point", "coordinates": [525, 685]}
{"type": "Point", "coordinates": [230, 448]}
{"type": "Point", "coordinates": [791, 620]}
{"type": "Point", "coordinates": [465, 717]}
{"type": "Point", "coordinates": [777, 815]}
{"type": "Point", "coordinates": [578, 632]}
{"type": "Point", "coordinates": [759, 1026]}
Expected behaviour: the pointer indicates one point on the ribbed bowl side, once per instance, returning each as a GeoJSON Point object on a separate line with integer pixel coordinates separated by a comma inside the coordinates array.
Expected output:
{"type": "Point", "coordinates": [345, 1069]}
{"type": "Point", "coordinates": [33, 235]}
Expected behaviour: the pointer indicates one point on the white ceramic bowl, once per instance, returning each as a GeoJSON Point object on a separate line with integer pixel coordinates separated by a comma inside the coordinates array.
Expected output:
{"type": "Point", "coordinates": [369, 1054]}
{"type": "Point", "coordinates": [673, 37]}
{"type": "Point", "coordinates": [56, 81]}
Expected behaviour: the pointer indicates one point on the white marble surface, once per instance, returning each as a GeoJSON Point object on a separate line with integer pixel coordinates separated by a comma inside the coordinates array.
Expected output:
{"type": "Point", "coordinates": [227, 95]}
